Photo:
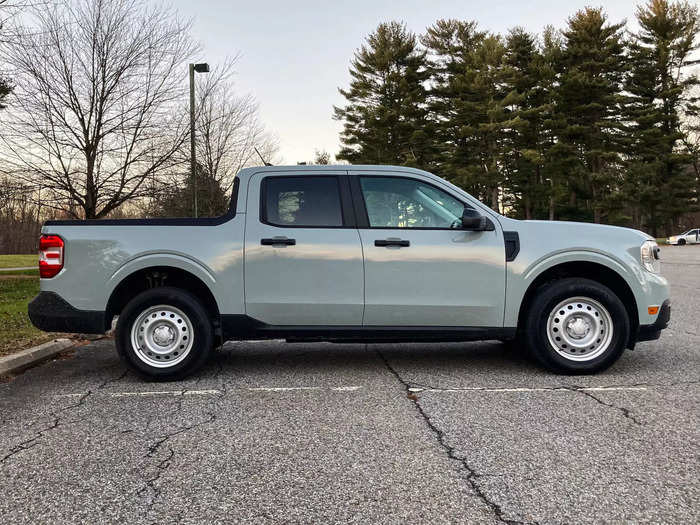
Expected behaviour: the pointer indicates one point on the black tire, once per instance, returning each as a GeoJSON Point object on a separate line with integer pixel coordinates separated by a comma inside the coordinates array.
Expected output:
{"type": "Point", "coordinates": [199, 345]}
{"type": "Point", "coordinates": [681, 242]}
{"type": "Point", "coordinates": [535, 328]}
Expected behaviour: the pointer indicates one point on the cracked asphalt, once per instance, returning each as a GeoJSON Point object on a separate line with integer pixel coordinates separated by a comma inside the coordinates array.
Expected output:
{"type": "Point", "coordinates": [319, 433]}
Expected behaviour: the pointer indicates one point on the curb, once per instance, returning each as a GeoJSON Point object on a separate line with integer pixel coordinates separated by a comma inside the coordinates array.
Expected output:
{"type": "Point", "coordinates": [32, 356]}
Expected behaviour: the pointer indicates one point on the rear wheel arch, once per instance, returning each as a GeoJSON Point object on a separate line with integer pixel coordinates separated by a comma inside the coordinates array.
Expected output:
{"type": "Point", "coordinates": [585, 270]}
{"type": "Point", "coordinates": [160, 276]}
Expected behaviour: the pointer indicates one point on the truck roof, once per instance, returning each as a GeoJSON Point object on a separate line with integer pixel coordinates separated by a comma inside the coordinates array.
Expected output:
{"type": "Point", "coordinates": [349, 169]}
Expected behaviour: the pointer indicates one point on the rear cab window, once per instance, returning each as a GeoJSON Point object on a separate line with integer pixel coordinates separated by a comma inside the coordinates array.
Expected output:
{"type": "Point", "coordinates": [301, 201]}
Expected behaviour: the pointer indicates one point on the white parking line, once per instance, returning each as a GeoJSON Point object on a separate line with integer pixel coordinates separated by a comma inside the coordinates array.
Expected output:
{"type": "Point", "coordinates": [150, 393]}
{"type": "Point", "coordinates": [283, 388]}
{"type": "Point", "coordinates": [526, 389]}
{"type": "Point", "coordinates": [213, 392]}
{"type": "Point", "coordinates": [354, 388]}
{"type": "Point", "coordinates": [166, 393]}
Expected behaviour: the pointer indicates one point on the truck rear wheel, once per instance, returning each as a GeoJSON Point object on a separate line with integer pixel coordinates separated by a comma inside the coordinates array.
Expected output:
{"type": "Point", "coordinates": [576, 326]}
{"type": "Point", "coordinates": [164, 334]}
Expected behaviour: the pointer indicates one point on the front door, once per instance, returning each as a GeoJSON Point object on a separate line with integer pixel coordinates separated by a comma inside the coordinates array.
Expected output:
{"type": "Point", "coordinates": [303, 257]}
{"type": "Point", "coordinates": [421, 268]}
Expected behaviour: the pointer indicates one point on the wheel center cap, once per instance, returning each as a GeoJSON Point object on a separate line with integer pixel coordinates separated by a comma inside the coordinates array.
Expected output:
{"type": "Point", "coordinates": [163, 335]}
{"type": "Point", "coordinates": [578, 327]}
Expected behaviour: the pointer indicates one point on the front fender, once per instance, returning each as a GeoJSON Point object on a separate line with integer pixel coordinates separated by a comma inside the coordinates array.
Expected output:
{"type": "Point", "coordinates": [521, 276]}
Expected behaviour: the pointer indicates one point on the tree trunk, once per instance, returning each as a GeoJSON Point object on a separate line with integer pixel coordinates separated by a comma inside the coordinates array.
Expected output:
{"type": "Point", "coordinates": [494, 199]}
{"type": "Point", "coordinates": [90, 206]}
{"type": "Point", "coordinates": [528, 208]}
{"type": "Point", "coordinates": [551, 207]}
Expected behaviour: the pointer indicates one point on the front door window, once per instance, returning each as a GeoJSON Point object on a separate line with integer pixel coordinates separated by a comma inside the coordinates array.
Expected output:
{"type": "Point", "coordinates": [394, 202]}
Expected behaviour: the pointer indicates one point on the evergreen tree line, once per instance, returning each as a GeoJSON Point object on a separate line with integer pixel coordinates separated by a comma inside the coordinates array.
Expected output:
{"type": "Point", "coordinates": [590, 122]}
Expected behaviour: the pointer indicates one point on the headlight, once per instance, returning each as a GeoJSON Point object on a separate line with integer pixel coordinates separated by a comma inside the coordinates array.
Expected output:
{"type": "Point", "coordinates": [650, 254]}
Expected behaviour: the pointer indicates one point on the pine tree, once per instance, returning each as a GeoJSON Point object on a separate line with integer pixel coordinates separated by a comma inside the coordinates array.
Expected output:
{"type": "Point", "coordinates": [589, 109]}
{"type": "Point", "coordinates": [5, 86]}
{"type": "Point", "coordinates": [494, 115]}
{"type": "Point", "coordinates": [5, 90]}
{"type": "Point", "coordinates": [384, 119]}
{"type": "Point", "coordinates": [661, 185]}
{"type": "Point", "coordinates": [176, 200]}
{"type": "Point", "coordinates": [530, 74]}
{"type": "Point", "coordinates": [451, 47]}
{"type": "Point", "coordinates": [469, 106]}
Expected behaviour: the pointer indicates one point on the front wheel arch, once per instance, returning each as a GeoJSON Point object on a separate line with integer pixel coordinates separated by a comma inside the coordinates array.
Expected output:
{"type": "Point", "coordinates": [572, 310]}
{"type": "Point", "coordinates": [585, 270]}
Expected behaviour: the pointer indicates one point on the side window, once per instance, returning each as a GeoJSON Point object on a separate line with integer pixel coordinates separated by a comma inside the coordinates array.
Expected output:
{"type": "Point", "coordinates": [301, 201]}
{"type": "Point", "coordinates": [395, 202]}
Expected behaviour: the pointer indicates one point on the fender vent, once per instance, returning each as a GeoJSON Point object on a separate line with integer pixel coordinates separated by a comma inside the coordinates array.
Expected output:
{"type": "Point", "coordinates": [512, 243]}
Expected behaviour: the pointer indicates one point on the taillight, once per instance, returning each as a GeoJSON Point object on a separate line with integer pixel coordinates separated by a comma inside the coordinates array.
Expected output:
{"type": "Point", "coordinates": [50, 255]}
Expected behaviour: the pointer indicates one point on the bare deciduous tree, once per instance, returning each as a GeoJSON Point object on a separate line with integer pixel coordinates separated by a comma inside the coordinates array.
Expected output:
{"type": "Point", "coordinates": [97, 108]}
{"type": "Point", "coordinates": [20, 218]}
{"type": "Point", "coordinates": [228, 131]}
{"type": "Point", "coordinates": [228, 128]}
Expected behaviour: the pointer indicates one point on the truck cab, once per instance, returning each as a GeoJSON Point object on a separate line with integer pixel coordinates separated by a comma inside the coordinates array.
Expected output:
{"type": "Point", "coordinates": [351, 253]}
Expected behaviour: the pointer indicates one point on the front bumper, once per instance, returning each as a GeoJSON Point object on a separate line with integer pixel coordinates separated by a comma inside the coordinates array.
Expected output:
{"type": "Point", "coordinates": [651, 332]}
{"type": "Point", "coordinates": [50, 312]}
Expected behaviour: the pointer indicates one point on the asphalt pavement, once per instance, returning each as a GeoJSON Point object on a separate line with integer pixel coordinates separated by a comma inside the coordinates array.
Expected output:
{"type": "Point", "coordinates": [319, 433]}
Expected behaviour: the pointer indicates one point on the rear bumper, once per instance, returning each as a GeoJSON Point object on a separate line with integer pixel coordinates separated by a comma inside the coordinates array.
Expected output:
{"type": "Point", "coordinates": [651, 332]}
{"type": "Point", "coordinates": [50, 312]}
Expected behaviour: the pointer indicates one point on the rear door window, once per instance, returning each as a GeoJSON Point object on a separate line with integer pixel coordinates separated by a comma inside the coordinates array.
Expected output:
{"type": "Point", "coordinates": [301, 202]}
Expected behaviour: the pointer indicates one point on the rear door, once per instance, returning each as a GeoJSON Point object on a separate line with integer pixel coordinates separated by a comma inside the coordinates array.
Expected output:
{"type": "Point", "coordinates": [303, 256]}
{"type": "Point", "coordinates": [421, 268]}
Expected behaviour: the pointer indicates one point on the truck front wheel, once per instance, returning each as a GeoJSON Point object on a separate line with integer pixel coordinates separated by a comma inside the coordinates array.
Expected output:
{"type": "Point", "coordinates": [164, 334]}
{"type": "Point", "coordinates": [576, 326]}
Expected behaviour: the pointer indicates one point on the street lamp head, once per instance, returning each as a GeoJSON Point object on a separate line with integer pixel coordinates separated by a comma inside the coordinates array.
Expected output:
{"type": "Point", "coordinates": [202, 68]}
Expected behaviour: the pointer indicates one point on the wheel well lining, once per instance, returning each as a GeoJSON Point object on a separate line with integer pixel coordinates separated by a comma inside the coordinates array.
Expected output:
{"type": "Point", "coordinates": [587, 270]}
{"type": "Point", "coordinates": [154, 277]}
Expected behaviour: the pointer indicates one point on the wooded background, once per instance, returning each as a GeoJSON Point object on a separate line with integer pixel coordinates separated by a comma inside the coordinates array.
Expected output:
{"type": "Point", "coordinates": [587, 122]}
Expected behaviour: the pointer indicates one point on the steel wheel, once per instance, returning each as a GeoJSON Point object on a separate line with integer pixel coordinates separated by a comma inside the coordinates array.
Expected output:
{"type": "Point", "coordinates": [162, 336]}
{"type": "Point", "coordinates": [580, 329]}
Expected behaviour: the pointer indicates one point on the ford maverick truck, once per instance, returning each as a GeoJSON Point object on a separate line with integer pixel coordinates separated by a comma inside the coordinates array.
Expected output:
{"type": "Point", "coordinates": [351, 254]}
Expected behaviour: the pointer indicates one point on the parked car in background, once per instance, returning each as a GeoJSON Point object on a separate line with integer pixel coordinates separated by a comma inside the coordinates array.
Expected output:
{"type": "Point", "coordinates": [689, 237]}
{"type": "Point", "coordinates": [351, 254]}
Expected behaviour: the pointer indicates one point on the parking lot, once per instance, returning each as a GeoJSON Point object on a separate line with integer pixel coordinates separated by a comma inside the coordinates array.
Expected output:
{"type": "Point", "coordinates": [322, 433]}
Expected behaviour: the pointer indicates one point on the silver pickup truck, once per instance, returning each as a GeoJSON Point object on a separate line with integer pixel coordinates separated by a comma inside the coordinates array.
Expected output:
{"type": "Point", "coordinates": [351, 254]}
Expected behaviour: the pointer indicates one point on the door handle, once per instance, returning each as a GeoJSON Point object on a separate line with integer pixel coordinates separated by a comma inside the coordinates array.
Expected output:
{"type": "Point", "coordinates": [392, 242]}
{"type": "Point", "coordinates": [278, 241]}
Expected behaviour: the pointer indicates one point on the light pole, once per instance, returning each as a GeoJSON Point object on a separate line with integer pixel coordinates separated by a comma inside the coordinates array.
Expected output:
{"type": "Point", "coordinates": [199, 68]}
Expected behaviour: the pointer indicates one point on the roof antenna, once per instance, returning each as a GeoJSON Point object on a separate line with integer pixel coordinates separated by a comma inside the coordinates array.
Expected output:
{"type": "Point", "coordinates": [261, 157]}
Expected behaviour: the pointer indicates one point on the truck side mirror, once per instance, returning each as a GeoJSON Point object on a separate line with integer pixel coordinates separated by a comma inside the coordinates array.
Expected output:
{"type": "Point", "coordinates": [473, 220]}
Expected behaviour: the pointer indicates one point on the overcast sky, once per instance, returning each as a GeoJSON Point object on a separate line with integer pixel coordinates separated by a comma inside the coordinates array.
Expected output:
{"type": "Point", "coordinates": [295, 53]}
